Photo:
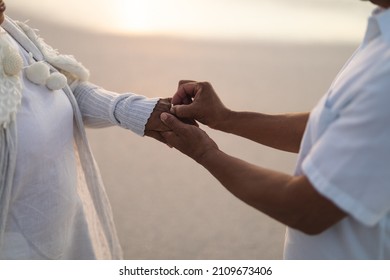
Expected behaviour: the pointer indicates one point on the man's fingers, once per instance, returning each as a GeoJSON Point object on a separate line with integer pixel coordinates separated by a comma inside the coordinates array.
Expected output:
{"type": "Point", "coordinates": [182, 82]}
{"type": "Point", "coordinates": [182, 111]}
{"type": "Point", "coordinates": [156, 135]}
{"type": "Point", "coordinates": [169, 138]}
{"type": "Point", "coordinates": [181, 97]}
{"type": "Point", "coordinates": [172, 122]}
{"type": "Point", "coordinates": [185, 93]}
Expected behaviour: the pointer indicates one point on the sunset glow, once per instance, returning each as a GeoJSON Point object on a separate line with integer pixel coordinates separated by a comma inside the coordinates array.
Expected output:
{"type": "Point", "coordinates": [289, 20]}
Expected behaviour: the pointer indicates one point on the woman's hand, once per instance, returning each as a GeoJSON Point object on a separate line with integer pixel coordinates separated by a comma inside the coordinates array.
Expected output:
{"type": "Point", "coordinates": [154, 126]}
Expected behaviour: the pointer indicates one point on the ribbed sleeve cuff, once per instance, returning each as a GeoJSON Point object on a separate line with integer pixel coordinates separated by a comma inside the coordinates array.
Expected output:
{"type": "Point", "coordinates": [132, 112]}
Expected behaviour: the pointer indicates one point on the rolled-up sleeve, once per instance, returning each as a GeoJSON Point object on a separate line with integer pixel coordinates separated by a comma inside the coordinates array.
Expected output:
{"type": "Point", "coordinates": [103, 108]}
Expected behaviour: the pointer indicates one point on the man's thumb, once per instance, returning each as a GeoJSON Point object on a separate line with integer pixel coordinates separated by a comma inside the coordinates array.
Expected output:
{"type": "Point", "coordinates": [170, 121]}
{"type": "Point", "coordinates": [182, 111]}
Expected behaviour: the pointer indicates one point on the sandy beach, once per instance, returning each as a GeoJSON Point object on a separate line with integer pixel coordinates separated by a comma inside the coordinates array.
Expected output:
{"type": "Point", "coordinates": [165, 205]}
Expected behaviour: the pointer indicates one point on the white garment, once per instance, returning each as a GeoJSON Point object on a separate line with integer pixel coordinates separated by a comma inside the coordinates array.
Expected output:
{"type": "Point", "coordinates": [53, 212]}
{"type": "Point", "coordinates": [345, 154]}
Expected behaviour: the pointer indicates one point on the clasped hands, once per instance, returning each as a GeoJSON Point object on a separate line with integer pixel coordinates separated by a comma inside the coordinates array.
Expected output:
{"type": "Point", "coordinates": [172, 120]}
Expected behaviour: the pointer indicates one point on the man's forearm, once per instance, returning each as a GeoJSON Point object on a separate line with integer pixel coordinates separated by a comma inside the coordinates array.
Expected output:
{"type": "Point", "coordinates": [291, 200]}
{"type": "Point", "coordinates": [282, 132]}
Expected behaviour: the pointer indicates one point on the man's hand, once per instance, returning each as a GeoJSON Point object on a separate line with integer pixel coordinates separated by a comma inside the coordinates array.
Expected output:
{"type": "Point", "coordinates": [199, 101]}
{"type": "Point", "coordinates": [188, 139]}
{"type": "Point", "coordinates": [291, 200]}
{"type": "Point", "coordinates": [154, 126]}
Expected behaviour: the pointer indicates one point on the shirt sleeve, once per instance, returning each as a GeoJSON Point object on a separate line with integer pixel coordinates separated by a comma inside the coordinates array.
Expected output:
{"type": "Point", "coordinates": [350, 162]}
{"type": "Point", "coordinates": [103, 108]}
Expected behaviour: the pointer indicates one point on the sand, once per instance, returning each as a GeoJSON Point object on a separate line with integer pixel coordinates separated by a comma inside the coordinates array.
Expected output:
{"type": "Point", "coordinates": [165, 205]}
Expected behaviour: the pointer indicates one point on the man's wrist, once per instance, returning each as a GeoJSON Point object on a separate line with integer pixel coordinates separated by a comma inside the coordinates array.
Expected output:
{"type": "Point", "coordinates": [223, 120]}
{"type": "Point", "coordinates": [207, 156]}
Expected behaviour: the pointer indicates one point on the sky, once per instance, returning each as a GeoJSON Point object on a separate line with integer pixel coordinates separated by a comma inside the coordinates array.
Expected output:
{"type": "Point", "coordinates": [277, 20]}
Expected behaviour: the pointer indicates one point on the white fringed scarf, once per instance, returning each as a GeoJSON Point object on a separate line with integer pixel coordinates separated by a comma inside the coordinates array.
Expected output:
{"type": "Point", "coordinates": [75, 72]}
{"type": "Point", "coordinates": [65, 63]}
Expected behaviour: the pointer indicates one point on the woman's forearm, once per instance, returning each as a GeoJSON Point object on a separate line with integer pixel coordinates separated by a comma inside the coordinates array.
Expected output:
{"type": "Point", "coordinates": [102, 108]}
